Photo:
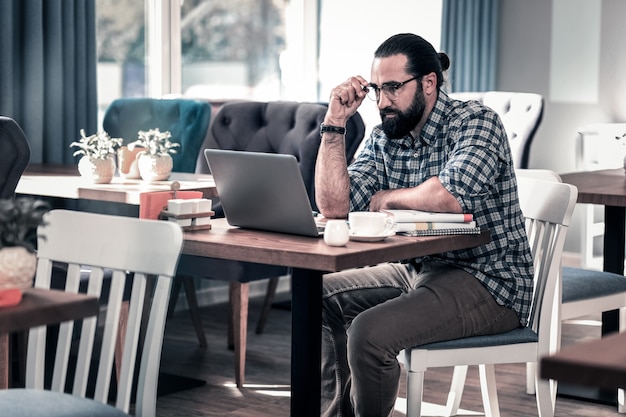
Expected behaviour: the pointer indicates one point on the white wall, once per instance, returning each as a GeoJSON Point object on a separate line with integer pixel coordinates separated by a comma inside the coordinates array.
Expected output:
{"type": "Point", "coordinates": [527, 50]}
{"type": "Point", "coordinates": [351, 30]}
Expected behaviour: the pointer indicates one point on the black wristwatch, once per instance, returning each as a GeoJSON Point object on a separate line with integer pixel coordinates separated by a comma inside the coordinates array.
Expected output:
{"type": "Point", "coordinates": [332, 129]}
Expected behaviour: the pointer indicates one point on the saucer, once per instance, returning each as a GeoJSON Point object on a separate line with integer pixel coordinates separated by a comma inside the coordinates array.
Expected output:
{"type": "Point", "coordinates": [377, 238]}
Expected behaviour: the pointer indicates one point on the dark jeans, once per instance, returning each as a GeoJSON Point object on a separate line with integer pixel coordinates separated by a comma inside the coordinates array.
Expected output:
{"type": "Point", "coordinates": [371, 314]}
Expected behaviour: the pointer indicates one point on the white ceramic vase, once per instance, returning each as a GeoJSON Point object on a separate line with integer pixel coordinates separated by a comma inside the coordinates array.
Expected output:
{"type": "Point", "coordinates": [17, 267]}
{"type": "Point", "coordinates": [97, 170]}
{"type": "Point", "coordinates": [154, 168]}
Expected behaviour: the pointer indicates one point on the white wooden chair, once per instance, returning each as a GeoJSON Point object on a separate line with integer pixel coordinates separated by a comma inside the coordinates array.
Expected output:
{"type": "Point", "coordinates": [142, 255]}
{"type": "Point", "coordinates": [584, 292]}
{"type": "Point", "coordinates": [548, 208]}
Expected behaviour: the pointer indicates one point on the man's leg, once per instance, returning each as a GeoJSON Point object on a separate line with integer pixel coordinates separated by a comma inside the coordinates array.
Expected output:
{"type": "Point", "coordinates": [445, 303]}
{"type": "Point", "coordinates": [347, 294]}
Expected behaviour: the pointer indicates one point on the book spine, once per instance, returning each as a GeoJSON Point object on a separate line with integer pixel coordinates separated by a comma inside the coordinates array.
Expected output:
{"type": "Point", "coordinates": [411, 226]}
{"type": "Point", "coordinates": [410, 216]}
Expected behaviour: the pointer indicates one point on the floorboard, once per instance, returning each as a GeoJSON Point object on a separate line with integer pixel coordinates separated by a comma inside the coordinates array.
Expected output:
{"type": "Point", "coordinates": [267, 373]}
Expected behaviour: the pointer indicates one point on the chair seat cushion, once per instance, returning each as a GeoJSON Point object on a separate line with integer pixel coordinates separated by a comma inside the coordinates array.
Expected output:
{"type": "Point", "coordinates": [33, 403]}
{"type": "Point", "coordinates": [519, 335]}
{"type": "Point", "coordinates": [582, 284]}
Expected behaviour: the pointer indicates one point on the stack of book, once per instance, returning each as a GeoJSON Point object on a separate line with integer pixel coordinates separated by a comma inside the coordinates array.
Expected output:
{"type": "Point", "coordinates": [425, 223]}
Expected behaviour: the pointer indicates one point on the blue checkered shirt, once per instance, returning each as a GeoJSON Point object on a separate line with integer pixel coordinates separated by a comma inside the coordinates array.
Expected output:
{"type": "Point", "coordinates": [466, 146]}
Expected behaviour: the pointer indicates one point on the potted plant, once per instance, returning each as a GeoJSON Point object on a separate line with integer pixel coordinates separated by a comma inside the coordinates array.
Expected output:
{"type": "Point", "coordinates": [98, 161]}
{"type": "Point", "coordinates": [19, 219]}
{"type": "Point", "coordinates": [155, 162]}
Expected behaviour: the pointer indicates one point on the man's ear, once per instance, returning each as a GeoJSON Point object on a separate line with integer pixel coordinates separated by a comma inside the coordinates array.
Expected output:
{"type": "Point", "coordinates": [429, 83]}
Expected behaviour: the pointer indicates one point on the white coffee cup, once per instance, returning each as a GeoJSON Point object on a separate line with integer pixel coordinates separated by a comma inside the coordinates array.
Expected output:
{"type": "Point", "coordinates": [336, 233]}
{"type": "Point", "coordinates": [370, 223]}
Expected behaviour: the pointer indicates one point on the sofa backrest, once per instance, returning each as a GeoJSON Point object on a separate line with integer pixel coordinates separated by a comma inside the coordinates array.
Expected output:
{"type": "Point", "coordinates": [285, 127]}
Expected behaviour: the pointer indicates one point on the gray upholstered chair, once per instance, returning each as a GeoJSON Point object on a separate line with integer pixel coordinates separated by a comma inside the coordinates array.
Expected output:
{"type": "Point", "coordinates": [277, 127]}
{"type": "Point", "coordinates": [14, 155]}
{"type": "Point", "coordinates": [521, 115]}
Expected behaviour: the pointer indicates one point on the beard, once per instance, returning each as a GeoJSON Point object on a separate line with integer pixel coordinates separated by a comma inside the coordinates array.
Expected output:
{"type": "Point", "coordinates": [404, 122]}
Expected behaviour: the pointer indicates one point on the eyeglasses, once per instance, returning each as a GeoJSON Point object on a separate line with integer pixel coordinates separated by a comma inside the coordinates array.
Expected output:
{"type": "Point", "coordinates": [390, 89]}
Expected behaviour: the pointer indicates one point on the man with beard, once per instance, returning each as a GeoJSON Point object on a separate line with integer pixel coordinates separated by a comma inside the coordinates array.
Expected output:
{"type": "Point", "coordinates": [430, 153]}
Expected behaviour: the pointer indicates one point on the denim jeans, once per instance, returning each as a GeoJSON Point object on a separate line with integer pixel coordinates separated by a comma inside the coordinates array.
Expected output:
{"type": "Point", "coordinates": [370, 314]}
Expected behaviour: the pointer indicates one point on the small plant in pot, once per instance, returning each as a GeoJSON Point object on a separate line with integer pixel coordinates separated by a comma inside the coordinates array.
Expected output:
{"type": "Point", "coordinates": [155, 161]}
{"type": "Point", "coordinates": [98, 161]}
{"type": "Point", "coordinates": [19, 219]}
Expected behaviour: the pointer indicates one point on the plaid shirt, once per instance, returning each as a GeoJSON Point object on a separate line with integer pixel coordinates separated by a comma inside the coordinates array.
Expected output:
{"type": "Point", "coordinates": [466, 147]}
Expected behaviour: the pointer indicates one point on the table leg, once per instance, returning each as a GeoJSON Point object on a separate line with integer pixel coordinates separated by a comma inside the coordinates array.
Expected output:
{"type": "Point", "coordinates": [306, 342]}
{"type": "Point", "coordinates": [4, 360]}
{"type": "Point", "coordinates": [614, 246]}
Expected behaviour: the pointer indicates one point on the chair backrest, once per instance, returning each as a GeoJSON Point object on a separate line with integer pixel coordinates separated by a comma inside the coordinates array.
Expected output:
{"type": "Point", "coordinates": [14, 156]}
{"type": "Point", "coordinates": [547, 207]}
{"type": "Point", "coordinates": [141, 254]}
{"type": "Point", "coordinates": [539, 174]}
{"type": "Point", "coordinates": [186, 119]}
{"type": "Point", "coordinates": [285, 127]}
{"type": "Point", "coordinates": [521, 115]}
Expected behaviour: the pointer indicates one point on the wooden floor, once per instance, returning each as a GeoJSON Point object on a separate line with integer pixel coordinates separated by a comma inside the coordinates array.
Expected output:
{"type": "Point", "coordinates": [267, 374]}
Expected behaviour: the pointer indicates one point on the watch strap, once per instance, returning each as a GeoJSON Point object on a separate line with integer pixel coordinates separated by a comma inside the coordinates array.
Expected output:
{"type": "Point", "coordinates": [332, 129]}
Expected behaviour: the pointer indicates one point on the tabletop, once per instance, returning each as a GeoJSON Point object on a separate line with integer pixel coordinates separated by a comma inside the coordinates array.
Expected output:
{"type": "Point", "coordinates": [606, 187]}
{"type": "Point", "coordinates": [598, 363]}
{"type": "Point", "coordinates": [226, 242]}
{"type": "Point", "coordinates": [63, 181]}
{"type": "Point", "coordinates": [40, 307]}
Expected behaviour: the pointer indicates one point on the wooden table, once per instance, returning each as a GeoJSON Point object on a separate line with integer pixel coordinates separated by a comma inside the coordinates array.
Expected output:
{"type": "Point", "coordinates": [64, 182]}
{"type": "Point", "coordinates": [608, 188]}
{"type": "Point", "coordinates": [597, 363]}
{"type": "Point", "coordinates": [310, 258]}
{"type": "Point", "coordinates": [40, 307]}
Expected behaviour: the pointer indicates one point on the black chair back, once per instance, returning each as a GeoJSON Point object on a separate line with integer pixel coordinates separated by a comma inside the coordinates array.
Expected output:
{"type": "Point", "coordinates": [14, 156]}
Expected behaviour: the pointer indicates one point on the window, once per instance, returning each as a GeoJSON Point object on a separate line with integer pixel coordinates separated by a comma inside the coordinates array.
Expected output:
{"type": "Point", "coordinates": [244, 49]}
{"type": "Point", "coordinates": [232, 48]}
{"type": "Point", "coordinates": [229, 49]}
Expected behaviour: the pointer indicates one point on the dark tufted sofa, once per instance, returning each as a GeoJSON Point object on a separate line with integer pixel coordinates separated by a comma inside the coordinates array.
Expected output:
{"type": "Point", "coordinates": [285, 127]}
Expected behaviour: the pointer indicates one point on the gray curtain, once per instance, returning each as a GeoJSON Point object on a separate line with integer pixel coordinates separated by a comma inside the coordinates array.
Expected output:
{"type": "Point", "coordinates": [48, 72]}
{"type": "Point", "coordinates": [469, 35]}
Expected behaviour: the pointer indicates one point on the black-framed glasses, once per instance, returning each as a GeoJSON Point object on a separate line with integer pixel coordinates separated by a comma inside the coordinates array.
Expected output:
{"type": "Point", "coordinates": [390, 89]}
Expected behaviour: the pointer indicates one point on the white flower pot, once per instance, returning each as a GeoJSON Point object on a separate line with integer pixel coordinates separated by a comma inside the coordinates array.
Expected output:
{"type": "Point", "coordinates": [17, 271]}
{"type": "Point", "coordinates": [97, 170]}
{"type": "Point", "coordinates": [154, 168]}
{"type": "Point", "coordinates": [17, 267]}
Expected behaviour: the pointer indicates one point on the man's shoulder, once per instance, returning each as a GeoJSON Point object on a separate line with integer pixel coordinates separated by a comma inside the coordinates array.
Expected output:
{"type": "Point", "coordinates": [467, 109]}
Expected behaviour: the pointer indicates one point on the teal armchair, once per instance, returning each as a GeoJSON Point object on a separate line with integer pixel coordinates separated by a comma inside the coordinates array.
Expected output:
{"type": "Point", "coordinates": [186, 119]}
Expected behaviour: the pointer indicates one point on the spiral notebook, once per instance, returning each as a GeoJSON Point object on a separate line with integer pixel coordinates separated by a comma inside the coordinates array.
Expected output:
{"type": "Point", "coordinates": [444, 232]}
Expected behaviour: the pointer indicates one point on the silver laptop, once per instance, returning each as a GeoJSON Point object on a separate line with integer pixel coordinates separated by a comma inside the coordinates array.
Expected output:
{"type": "Point", "coordinates": [263, 191]}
